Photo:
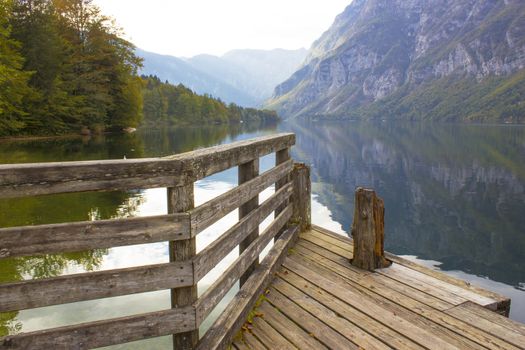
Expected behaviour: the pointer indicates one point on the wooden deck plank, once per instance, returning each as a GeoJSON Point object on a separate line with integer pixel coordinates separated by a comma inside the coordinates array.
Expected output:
{"type": "Point", "coordinates": [269, 336]}
{"type": "Point", "coordinates": [288, 328]}
{"type": "Point", "coordinates": [440, 318]}
{"type": "Point", "coordinates": [423, 269]}
{"type": "Point", "coordinates": [318, 293]}
{"type": "Point", "coordinates": [252, 342]}
{"type": "Point", "coordinates": [405, 272]}
{"type": "Point", "coordinates": [311, 324]}
{"type": "Point", "coordinates": [368, 324]}
{"type": "Point", "coordinates": [451, 289]}
{"type": "Point", "coordinates": [406, 321]}
{"type": "Point", "coordinates": [488, 325]}
{"type": "Point", "coordinates": [240, 345]}
{"type": "Point", "coordinates": [329, 317]}
{"type": "Point", "coordinates": [327, 245]}
{"type": "Point", "coordinates": [380, 284]}
{"type": "Point", "coordinates": [494, 317]}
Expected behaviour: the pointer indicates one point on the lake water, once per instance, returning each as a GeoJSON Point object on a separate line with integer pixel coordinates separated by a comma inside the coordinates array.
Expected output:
{"type": "Point", "coordinates": [454, 198]}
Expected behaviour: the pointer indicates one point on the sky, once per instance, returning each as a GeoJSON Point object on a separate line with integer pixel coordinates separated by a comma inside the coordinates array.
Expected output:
{"type": "Point", "coordinates": [186, 28]}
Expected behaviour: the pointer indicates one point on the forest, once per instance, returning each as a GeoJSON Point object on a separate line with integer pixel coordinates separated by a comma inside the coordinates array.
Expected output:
{"type": "Point", "coordinates": [166, 104]}
{"type": "Point", "coordinates": [65, 68]}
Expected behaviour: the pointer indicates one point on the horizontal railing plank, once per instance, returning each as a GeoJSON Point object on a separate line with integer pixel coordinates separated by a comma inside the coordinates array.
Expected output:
{"type": "Point", "coordinates": [207, 302]}
{"type": "Point", "coordinates": [18, 180]}
{"type": "Point", "coordinates": [103, 333]}
{"type": "Point", "coordinates": [94, 285]}
{"type": "Point", "coordinates": [220, 334]}
{"type": "Point", "coordinates": [208, 213]}
{"type": "Point", "coordinates": [210, 256]}
{"type": "Point", "coordinates": [78, 236]}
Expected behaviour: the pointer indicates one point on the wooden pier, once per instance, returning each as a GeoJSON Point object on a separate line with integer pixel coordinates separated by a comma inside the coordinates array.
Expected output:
{"type": "Point", "coordinates": [304, 294]}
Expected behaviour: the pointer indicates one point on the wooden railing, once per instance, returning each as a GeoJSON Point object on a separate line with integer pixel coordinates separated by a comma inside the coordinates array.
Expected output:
{"type": "Point", "coordinates": [180, 227]}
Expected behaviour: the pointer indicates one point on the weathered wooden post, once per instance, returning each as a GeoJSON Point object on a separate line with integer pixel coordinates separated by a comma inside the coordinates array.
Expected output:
{"type": "Point", "coordinates": [181, 199]}
{"type": "Point", "coordinates": [368, 230]}
{"type": "Point", "coordinates": [302, 212]}
{"type": "Point", "coordinates": [248, 171]}
{"type": "Point", "coordinates": [281, 157]}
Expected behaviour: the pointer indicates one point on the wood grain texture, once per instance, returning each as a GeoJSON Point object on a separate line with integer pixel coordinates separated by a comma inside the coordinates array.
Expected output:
{"type": "Point", "coordinates": [238, 268]}
{"type": "Point", "coordinates": [103, 333]}
{"type": "Point", "coordinates": [210, 212]}
{"type": "Point", "coordinates": [181, 199]}
{"type": "Point", "coordinates": [301, 198]}
{"type": "Point", "coordinates": [18, 180]}
{"type": "Point", "coordinates": [289, 329]}
{"type": "Point", "coordinates": [368, 230]}
{"type": "Point", "coordinates": [78, 236]}
{"type": "Point", "coordinates": [281, 157]}
{"type": "Point", "coordinates": [210, 256]}
{"type": "Point", "coordinates": [247, 172]}
{"type": "Point", "coordinates": [220, 334]}
{"type": "Point", "coordinates": [94, 285]}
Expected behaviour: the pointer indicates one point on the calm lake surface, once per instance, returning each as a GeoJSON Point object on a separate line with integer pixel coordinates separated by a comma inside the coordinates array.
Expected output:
{"type": "Point", "coordinates": [454, 198]}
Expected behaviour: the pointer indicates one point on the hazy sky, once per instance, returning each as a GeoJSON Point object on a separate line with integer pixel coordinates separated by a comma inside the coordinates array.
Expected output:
{"type": "Point", "coordinates": [191, 27]}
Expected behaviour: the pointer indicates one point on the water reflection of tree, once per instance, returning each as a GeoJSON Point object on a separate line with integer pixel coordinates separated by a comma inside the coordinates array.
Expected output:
{"type": "Point", "coordinates": [453, 193]}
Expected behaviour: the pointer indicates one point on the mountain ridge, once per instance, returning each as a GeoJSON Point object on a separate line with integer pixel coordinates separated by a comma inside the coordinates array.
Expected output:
{"type": "Point", "coordinates": [377, 55]}
{"type": "Point", "coordinates": [245, 77]}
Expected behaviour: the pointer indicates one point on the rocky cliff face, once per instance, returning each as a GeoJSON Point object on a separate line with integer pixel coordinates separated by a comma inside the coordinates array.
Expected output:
{"type": "Point", "coordinates": [376, 49]}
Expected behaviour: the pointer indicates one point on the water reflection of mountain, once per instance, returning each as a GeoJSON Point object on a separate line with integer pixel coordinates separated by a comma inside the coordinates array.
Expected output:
{"type": "Point", "coordinates": [453, 193]}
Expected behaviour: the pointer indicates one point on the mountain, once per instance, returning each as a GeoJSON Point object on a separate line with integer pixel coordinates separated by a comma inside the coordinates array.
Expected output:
{"type": "Point", "coordinates": [245, 77]}
{"type": "Point", "coordinates": [176, 70]}
{"type": "Point", "coordinates": [414, 59]}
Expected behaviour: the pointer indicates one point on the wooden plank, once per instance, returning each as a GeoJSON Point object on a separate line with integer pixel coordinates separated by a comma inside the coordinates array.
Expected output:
{"type": "Point", "coordinates": [222, 285]}
{"type": "Point", "coordinates": [413, 299]}
{"type": "Point", "coordinates": [269, 336]}
{"type": "Point", "coordinates": [288, 328]}
{"type": "Point", "coordinates": [93, 285]}
{"type": "Point", "coordinates": [503, 302]}
{"type": "Point", "coordinates": [220, 334]}
{"type": "Point", "coordinates": [512, 336]}
{"type": "Point", "coordinates": [210, 256]}
{"type": "Point", "coordinates": [208, 161]}
{"type": "Point", "coordinates": [329, 317]}
{"type": "Point", "coordinates": [181, 199]}
{"type": "Point", "coordinates": [18, 180]}
{"type": "Point", "coordinates": [311, 324]}
{"type": "Point", "coordinates": [281, 157]}
{"type": "Point", "coordinates": [344, 244]}
{"type": "Point", "coordinates": [104, 333]}
{"type": "Point", "coordinates": [411, 325]}
{"type": "Point", "coordinates": [493, 317]}
{"type": "Point", "coordinates": [252, 342]}
{"type": "Point", "coordinates": [401, 272]}
{"type": "Point", "coordinates": [246, 172]}
{"type": "Point", "coordinates": [376, 282]}
{"type": "Point", "coordinates": [78, 236]}
{"type": "Point", "coordinates": [307, 236]}
{"type": "Point", "coordinates": [239, 344]}
{"type": "Point", "coordinates": [208, 213]}
{"type": "Point", "coordinates": [302, 213]}
{"type": "Point", "coordinates": [385, 334]}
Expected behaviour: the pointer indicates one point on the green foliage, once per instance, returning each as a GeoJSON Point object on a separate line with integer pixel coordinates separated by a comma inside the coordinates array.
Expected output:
{"type": "Point", "coordinates": [168, 104]}
{"type": "Point", "coordinates": [81, 73]}
{"type": "Point", "coordinates": [13, 81]}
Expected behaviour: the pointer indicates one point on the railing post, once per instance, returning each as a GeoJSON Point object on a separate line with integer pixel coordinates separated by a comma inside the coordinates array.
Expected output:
{"type": "Point", "coordinates": [368, 230]}
{"type": "Point", "coordinates": [281, 157]}
{"type": "Point", "coordinates": [181, 199]}
{"type": "Point", "coordinates": [248, 171]}
{"type": "Point", "coordinates": [301, 197]}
